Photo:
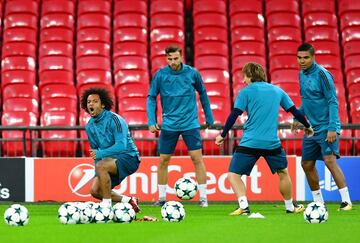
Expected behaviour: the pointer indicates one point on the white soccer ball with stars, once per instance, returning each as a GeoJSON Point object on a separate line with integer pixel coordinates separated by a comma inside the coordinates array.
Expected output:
{"type": "Point", "coordinates": [123, 213]}
{"type": "Point", "coordinates": [85, 212]}
{"type": "Point", "coordinates": [102, 214]}
{"type": "Point", "coordinates": [185, 188]}
{"type": "Point", "coordinates": [69, 213]}
{"type": "Point", "coordinates": [16, 215]}
{"type": "Point", "coordinates": [316, 213]}
{"type": "Point", "coordinates": [173, 211]}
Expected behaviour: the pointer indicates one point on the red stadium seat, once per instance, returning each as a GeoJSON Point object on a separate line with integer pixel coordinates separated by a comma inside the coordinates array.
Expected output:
{"type": "Point", "coordinates": [131, 76]}
{"type": "Point", "coordinates": [18, 76]}
{"type": "Point", "coordinates": [167, 20]}
{"type": "Point", "coordinates": [93, 34]}
{"type": "Point", "coordinates": [351, 48]}
{"type": "Point", "coordinates": [17, 118]}
{"type": "Point", "coordinates": [284, 34]}
{"type": "Point", "coordinates": [247, 34]}
{"type": "Point", "coordinates": [208, 142]}
{"type": "Point", "coordinates": [18, 63]}
{"type": "Point", "coordinates": [54, 20]}
{"type": "Point", "coordinates": [91, 20]}
{"type": "Point", "coordinates": [18, 49]}
{"type": "Point", "coordinates": [349, 19]}
{"type": "Point", "coordinates": [131, 90]}
{"type": "Point", "coordinates": [157, 63]}
{"type": "Point", "coordinates": [210, 20]}
{"type": "Point", "coordinates": [326, 47]}
{"type": "Point", "coordinates": [20, 34]}
{"type": "Point", "coordinates": [239, 61]}
{"type": "Point", "coordinates": [283, 48]}
{"type": "Point", "coordinates": [56, 63]}
{"type": "Point", "coordinates": [56, 77]}
{"type": "Point", "coordinates": [130, 20]}
{"type": "Point", "coordinates": [283, 19]}
{"type": "Point", "coordinates": [63, 146]}
{"type": "Point", "coordinates": [246, 20]}
{"type": "Point", "coordinates": [131, 34]}
{"type": "Point", "coordinates": [285, 76]}
{"type": "Point", "coordinates": [329, 61]}
{"type": "Point", "coordinates": [20, 90]}
{"type": "Point", "coordinates": [20, 20]}
{"type": "Point", "coordinates": [130, 48]}
{"type": "Point", "coordinates": [59, 104]}
{"type": "Point", "coordinates": [202, 6]}
{"type": "Point", "coordinates": [240, 6]}
{"type": "Point", "coordinates": [346, 6]}
{"type": "Point", "coordinates": [130, 62]}
{"type": "Point", "coordinates": [217, 89]}
{"type": "Point", "coordinates": [93, 76]}
{"type": "Point", "coordinates": [58, 90]}
{"type": "Point", "coordinates": [134, 117]}
{"type": "Point", "coordinates": [351, 34]}
{"type": "Point", "coordinates": [60, 6]}
{"type": "Point", "coordinates": [84, 142]}
{"type": "Point", "coordinates": [283, 62]}
{"type": "Point", "coordinates": [352, 77]}
{"type": "Point", "coordinates": [220, 103]}
{"type": "Point", "coordinates": [23, 104]}
{"type": "Point", "coordinates": [321, 33]}
{"type": "Point", "coordinates": [238, 77]}
{"type": "Point", "coordinates": [320, 19]}
{"type": "Point", "coordinates": [310, 6]}
{"type": "Point", "coordinates": [211, 48]}
{"type": "Point", "coordinates": [210, 34]}
{"type": "Point", "coordinates": [354, 92]}
{"type": "Point", "coordinates": [123, 7]}
{"type": "Point", "coordinates": [167, 34]}
{"type": "Point", "coordinates": [132, 103]}
{"type": "Point", "coordinates": [352, 62]}
{"type": "Point", "coordinates": [93, 63]}
{"type": "Point", "coordinates": [274, 6]}
{"type": "Point", "coordinates": [215, 76]}
{"type": "Point", "coordinates": [345, 144]}
{"type": "Point", "coordinates": [164, 6]}
{"type": "Point", "coordinates": [85, 7]}
{"type": "Point", "coordinates": [57, 48]}
{"type": "Point", "coordinates": [253, 48]}
{"type": "Point", "coordinates": [56, 34]}
{"type": "Point", "coordinates": [145, 142]}
{"type": "Point", "coordinates": [21, 7]}
{"type": "Point", "coordinates": [93, 49]}
{"type": "Point", "coordinates": [212, 62]}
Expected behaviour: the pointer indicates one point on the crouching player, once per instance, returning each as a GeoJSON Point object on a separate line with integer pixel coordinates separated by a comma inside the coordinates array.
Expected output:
{"type": "Point", "coordinates": [114, 152]}
{"type": "Point", "coordinates": [261, 101]}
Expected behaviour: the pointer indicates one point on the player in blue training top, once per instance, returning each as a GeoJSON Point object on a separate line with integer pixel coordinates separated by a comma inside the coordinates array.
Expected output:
{"type": "Point", "coordinates": [261, 101]}
{"type": "Point", "coordinates": [177, 84]}
{"type": "Point", "coordinates": [112, 148]}
{"type": "Point", "coordinates": [320, 106]}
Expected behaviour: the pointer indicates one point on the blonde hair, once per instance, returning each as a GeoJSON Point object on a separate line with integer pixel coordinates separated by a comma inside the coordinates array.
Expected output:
{"type": "Point", "coordinates": [254, 71]}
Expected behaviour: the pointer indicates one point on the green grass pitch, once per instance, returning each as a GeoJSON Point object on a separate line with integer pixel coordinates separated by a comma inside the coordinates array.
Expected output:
{"type": "Point", "coordinates": [210, 224]}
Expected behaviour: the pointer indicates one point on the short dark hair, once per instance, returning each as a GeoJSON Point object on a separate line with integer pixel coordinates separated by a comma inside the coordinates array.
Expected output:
{"type": "Point", "coordinates": [306, 47]}
{"type": "Point", "coordinates": [254, 71]}
{"type": "Point", "coordinates": [172, 48]}
{"type": "Point", "coordinates": [104, 95]}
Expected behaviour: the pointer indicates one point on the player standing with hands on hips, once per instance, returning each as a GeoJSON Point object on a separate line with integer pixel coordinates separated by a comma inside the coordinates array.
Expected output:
{"type": "Point", "coordinates": [177, 83]}
{"type": "Point", "coordinates": [320, 106]}
{"type": "Point", "coordinates": [114, 152]}
{"type": "Point", "coordinates": [261, 101]}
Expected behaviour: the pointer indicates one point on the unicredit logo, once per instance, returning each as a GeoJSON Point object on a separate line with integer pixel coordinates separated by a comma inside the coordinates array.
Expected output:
{"type": "Point", "coordinates": [79, 179]}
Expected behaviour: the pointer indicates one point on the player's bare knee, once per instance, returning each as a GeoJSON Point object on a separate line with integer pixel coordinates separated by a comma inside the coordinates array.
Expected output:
{"type": "Point", "coordinates": [95, 193]}
{"type": "Point", "coordinates": [100, 167]}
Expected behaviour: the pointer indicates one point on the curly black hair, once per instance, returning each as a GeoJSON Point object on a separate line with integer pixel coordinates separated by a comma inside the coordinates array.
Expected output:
{"type": "Point", "coordinates": [104, 95]}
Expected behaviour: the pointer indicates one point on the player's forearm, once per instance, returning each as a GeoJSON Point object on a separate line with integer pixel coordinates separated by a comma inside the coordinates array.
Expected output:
{"type": "Point", "coordinates": [151, 110]}
{"type": "Point", "coordinates": [205, 103]}
{"type": "Point", "coordinates": [231, 121]}
{"type": "Point", "coordinates": [299, 116]}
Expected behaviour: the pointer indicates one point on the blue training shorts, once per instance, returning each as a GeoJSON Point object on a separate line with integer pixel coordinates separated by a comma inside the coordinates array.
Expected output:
{"type": "Point", "coordinates": [315, 147]}
{"type": "Point", "coordinates": [242, 163]}
{"type": "Point", "coordinates": [126, 165]}
{"type": "Point", "coordinates": [168, 140]}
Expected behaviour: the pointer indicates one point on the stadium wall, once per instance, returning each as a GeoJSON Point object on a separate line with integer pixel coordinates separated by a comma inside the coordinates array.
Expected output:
{"type": "Point", "coordinates": [70, 179]}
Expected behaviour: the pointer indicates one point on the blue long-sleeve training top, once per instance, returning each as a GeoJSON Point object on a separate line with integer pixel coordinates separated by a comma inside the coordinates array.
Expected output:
{"type": "Point", "coordinates": [178, 98]}
{"type": "Point", "coordinates": [109, 136]}
{"type": "Point", "coordinates": [319, 100]}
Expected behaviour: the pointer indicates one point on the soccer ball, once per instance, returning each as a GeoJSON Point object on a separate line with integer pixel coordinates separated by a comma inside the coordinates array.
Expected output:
{"type": "Point", "coordinates": [102, 214]}
{"type": "Point", "coordinates": [173, 211]}
{"type": "Point", "coordinates": [316, 213]}
{"type": "Point", "coordinates": [85, 212]}
{"type": "Point", "coordinates": [69, 213]}
{"type": "Point", "coordinates": [16, 215]}
{"type": "Point", "coordinates": [185, 188]}
{"type": "Point", "coordinates": [123, 213]}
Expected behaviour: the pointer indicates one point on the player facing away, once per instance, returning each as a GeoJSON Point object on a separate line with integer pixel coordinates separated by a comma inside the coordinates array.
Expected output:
{"type": "Point", "coordinates": [320, 106]}
{"type": "Point", "coordinates": [177, 83]}
{"type": "Point", "coordinates": [261, 101]}
{"type": "Point", "coordinates": [114, 152]}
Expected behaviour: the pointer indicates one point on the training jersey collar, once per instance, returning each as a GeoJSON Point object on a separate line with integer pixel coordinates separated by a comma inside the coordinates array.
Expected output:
{"type": "Point", "coordinates": [100, 116]}
{"type": "Point", "coordinates": [311, 69]}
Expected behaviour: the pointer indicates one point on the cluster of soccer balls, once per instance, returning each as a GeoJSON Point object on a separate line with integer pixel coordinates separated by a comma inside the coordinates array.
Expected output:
{"type": "Point", "coordinates": [90, 212]}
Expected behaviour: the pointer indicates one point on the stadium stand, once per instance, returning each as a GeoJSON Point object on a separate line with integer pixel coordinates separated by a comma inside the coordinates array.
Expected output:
{"type": "Point", "coordinates": [62, 47]}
